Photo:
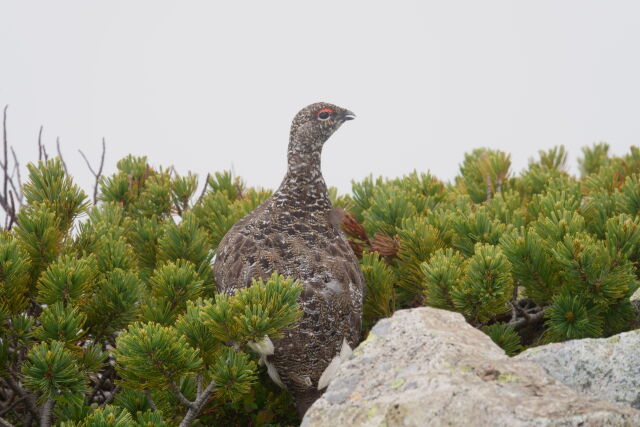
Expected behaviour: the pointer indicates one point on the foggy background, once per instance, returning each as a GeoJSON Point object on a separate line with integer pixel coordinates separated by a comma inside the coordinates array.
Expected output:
{"type": "Point", "coordinates": [206, 86]}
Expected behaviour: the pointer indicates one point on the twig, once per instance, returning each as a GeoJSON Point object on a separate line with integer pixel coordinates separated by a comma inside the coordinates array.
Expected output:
{"type": "Point", "coordinates": [12, 218]}
{"type": "Point", "coordinates": [6, 199]}
{"type": "Point", "coordinates": [16, 171]}
{"type": "Point", "coordinates": [96, 174]}
{"type": "Point", "coordinates": [64, 164]}
{"type": "Point", "coordinates": [5, 423]}
{"type": "Point", "coordinates": [40, 149]}
{"type": "Point", "coordinates": [204, 189]}
{"type": "Point", "coordinates": [5, 166]}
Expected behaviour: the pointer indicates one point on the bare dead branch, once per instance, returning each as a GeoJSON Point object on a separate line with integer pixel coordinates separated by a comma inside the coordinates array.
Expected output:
{"type": "Point", "coordinates": [40, 143]}
{"type": "Point", "coordinates": [95, 174]}
{"type": "Point", "coordinates": [204, 189]}
{"type": "Point", "coordinates": [104, 151]}
{"type": "Point", "coordinates": [64, 164]}
{"type": "Point", "coordinates": [5, 166]}
{"type": "Point", "coordinates": [12, 218]}
{"type": "Point", "coordinates": [7, 205]}
{"type": "Point", "coordinates": [18, 191]}
{"type": "Point", "coordinates": [87, 162]}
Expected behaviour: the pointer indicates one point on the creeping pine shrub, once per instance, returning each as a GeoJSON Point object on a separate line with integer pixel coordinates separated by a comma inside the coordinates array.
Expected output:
{"type": "Point", "coordinates": [109, 311]}
{"type": "Point", "coordinates": [110, 315]}
{"type": "Point", "coordinates": [532, 258]}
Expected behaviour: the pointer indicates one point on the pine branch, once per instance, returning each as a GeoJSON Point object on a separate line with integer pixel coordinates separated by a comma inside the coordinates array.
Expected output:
{"type": "Point", "coordinates": [47, 409]}
{"type": "Point", "coordinates": [181, 397]}
{"type": "Point", "coordinates": [199, 384]}
{"type": "Point", "coordinates": [150, 401]}
{"type": "Point", "coordinates": [198, 404]}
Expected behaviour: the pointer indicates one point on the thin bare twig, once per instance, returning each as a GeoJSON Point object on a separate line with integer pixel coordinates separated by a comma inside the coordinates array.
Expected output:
{"type": "Point", "coordinates": [95, 174]}
{"type": "Point", "coordinates": [5, 166]}
{"type": "Point", "coordinates": [204, 189]}
{"type": "Point", "coordinates": [7, 205]}
{"type": "Point", "coordinates": [5, 423]}
{"type": "Point", "coordinates": [64, 164]}
{"type": "Point", "coordinates": [40, 150]}
{"type": "Point", "coordinates": [13, 218]}
{"type": "Point", "coordinates": [18, 191]}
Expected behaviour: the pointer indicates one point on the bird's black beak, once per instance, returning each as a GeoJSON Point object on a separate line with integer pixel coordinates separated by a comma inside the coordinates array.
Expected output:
{"type": "Point", "coordinates": [347, 115]}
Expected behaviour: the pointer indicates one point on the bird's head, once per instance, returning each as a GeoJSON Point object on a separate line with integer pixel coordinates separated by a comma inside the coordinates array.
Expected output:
{"type": "Point", "coordinates": [315, 123]}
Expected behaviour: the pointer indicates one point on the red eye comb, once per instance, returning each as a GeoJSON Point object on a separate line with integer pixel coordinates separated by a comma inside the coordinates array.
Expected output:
{"type": "Point", "coordinates": [327, 110]}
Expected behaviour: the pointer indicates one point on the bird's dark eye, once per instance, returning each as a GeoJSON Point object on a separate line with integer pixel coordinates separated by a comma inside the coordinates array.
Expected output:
{"type": "Point", "coordinates": [325, 113]}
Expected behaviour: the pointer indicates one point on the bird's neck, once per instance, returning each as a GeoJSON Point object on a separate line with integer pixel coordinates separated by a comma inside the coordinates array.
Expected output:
{"type": "Point", "coordinates": [303, 184]}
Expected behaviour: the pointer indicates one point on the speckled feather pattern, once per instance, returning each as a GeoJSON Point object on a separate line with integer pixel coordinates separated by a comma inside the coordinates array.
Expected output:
{"type": "Point", "coordinates": [297, 233]}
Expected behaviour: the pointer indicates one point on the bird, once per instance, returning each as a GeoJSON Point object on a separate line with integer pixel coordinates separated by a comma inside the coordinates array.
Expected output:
{"type": "Point", "coordinates": [297, 233]}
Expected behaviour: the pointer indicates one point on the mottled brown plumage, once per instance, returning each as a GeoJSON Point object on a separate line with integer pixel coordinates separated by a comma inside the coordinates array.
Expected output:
{"type": "Point", "coordinates": [297, 233]}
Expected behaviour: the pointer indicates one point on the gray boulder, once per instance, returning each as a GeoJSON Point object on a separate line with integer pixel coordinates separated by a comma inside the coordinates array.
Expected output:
{"type": "Point", "coordinates": [429, 367]}
{"type": "Point", "coordinates": [606, 368]}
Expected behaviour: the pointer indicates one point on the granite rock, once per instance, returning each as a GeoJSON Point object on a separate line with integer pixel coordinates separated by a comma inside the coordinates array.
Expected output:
{"type": "Point", "coordinates": [426, 366]}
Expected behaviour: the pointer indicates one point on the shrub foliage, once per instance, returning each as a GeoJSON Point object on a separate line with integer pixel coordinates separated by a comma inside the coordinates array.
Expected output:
{"type": "Point", "coordinates": [109, 314]}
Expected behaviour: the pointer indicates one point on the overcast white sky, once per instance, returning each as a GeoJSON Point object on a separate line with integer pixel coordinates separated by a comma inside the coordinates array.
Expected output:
{"type": "Point", "coordinates": [207, 85]}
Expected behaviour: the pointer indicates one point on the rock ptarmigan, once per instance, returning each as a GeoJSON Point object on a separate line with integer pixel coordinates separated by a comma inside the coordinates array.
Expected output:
{"type": "Point", "coordinates": [297, 233]}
